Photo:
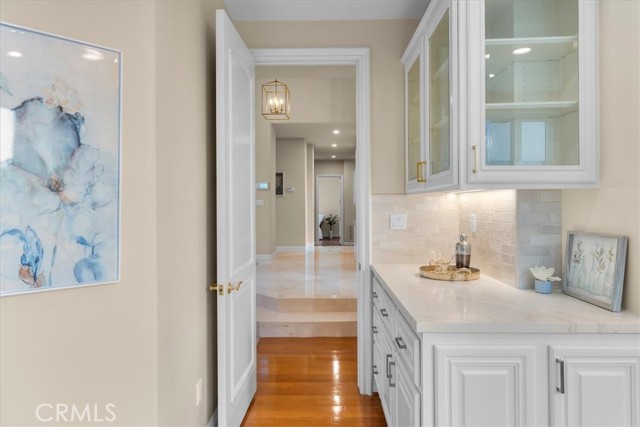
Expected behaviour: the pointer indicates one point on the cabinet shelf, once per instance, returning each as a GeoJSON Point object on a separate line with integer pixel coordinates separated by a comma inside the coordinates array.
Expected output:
{"type": "Point", "coordinates": [443, 70]}
{"type": "Point", "coordinates": [501, 55]}
{"type": "Point", "coordinates": [530, 110]}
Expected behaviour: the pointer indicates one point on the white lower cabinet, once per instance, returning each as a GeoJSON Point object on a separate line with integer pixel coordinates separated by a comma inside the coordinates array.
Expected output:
{"type": "Point", "coordinates": [502, 379]}
{"type": "Point", "coordinates": [396, 367]}
{"type": "Point", "coordinates": [595, 386]}
{"type": "Point", "coordinates": [484, 386]}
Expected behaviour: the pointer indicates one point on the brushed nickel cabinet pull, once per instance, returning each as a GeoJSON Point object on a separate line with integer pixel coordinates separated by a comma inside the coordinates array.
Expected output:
{"type": "Point", "coordinates": [561, 388]}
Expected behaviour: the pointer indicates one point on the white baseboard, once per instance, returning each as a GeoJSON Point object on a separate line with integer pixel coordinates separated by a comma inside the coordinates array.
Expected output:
{"type": "Point", "coordinates": [264, 257]}
{"type": "Point", "coordinates": [213, 422]}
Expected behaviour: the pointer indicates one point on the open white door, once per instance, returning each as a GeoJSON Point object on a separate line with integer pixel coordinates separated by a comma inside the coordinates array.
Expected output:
{"type": "Point", "coordinates": [236, 284]}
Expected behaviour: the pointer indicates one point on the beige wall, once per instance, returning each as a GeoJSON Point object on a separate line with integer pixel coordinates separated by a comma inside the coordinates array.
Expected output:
{"type": "Point", "coordinates": [185, 143]}
{"type": "Point", "coordinates": [615, 207]}
{"type": "Point", "coordinates": [311, 196]}
{"type": "Point", "coordinates": [349, 207]}
{"type": "Point", "coordinates": [291, 158]}
{"type": "Point", "coordinates": [96, 344]}
{"type": "Point", "coordinates": [141, 343]}
{"type": "Point", "coordinates": [265, 171]}
{"type": "Point", "coordinates": [387, 41]}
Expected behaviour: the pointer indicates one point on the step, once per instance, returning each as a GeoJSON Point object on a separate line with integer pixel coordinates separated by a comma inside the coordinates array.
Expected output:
{"type": "Point", "coordinates": [307, 305]}
{"type": "Point", "coordinates": [272, 323]}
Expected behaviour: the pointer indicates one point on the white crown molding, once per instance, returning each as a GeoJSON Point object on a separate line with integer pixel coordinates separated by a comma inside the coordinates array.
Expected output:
{"type": "Point", "coordinates": [324, 10]}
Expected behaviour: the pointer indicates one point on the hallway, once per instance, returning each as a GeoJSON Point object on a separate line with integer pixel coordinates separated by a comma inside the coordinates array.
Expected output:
{"type": "Point", "coordinates": [310, 382]}
{"type": "Point", "coordinates": [307, 293]}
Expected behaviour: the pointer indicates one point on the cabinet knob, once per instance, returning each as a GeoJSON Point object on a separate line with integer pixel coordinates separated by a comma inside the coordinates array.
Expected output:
{"type": "Point", "coordinates": [400, 343]}
{"type": "Point", "coordinates": [384, 313]}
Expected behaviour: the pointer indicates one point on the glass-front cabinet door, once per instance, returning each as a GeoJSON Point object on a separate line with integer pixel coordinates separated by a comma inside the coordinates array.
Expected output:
{"type": "Point", "coordinates": [431, 125]}
{"type": "Point", "coordinates": [532, 93]}
{"type": "Point", "coordinates": [413, 104]}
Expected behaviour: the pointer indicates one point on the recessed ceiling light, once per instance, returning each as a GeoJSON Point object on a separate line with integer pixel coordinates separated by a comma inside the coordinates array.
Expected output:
{"type": "Point", "coordinates": [491, 76]}
{"type": "Point", "coordinates": [487, 56]}
{"type": "Point", "coordinates": [334, 145]}
{"type": "Point", "coordinates": [333, 157]}
{"type": "Point", "coordinates": [522, 50]}
{"type": "Point", "coordinates": [14, 54]}
{"type": "Point", "coordinates": [336, 131]}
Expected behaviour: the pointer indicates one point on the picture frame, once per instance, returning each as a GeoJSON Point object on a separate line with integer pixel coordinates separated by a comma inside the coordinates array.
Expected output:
{"type": "Point", "coordinates": [60, 162]}
{"type": "Point", "coordinates": [279, 184]}
{"type": "Point", "coordinates": [594, 268]}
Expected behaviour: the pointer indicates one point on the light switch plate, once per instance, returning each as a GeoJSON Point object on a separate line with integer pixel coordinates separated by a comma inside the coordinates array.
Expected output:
{"type": "Point", "coordinates": [259, 202]}
{"type": "Point", "coordinates": [398, 221]}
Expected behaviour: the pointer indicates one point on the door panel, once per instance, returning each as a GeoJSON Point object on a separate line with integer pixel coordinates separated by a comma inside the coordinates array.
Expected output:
{"type": "Point", "coordinates": [485, 386]}
{"type": "Point", "coordinates": [235, 211]}
{"type": "Point", "coordinates": [599, 388]}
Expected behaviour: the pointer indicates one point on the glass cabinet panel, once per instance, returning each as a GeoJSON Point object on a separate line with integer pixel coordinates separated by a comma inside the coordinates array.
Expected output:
{"type": "Point", "coordinates": [414, 140]}
{"type": "Point", "coordinates": [439, 100]}
{"type": "Point", "coordinates": [531, 82]}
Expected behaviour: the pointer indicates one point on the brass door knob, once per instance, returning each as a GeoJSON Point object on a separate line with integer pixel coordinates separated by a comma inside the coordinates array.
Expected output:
{"type": "Point", "coordinates": [219, 288]}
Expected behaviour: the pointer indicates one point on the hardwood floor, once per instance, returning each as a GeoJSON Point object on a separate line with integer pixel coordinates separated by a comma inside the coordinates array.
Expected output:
{"type": "Point", "coordinates": [310, 382]}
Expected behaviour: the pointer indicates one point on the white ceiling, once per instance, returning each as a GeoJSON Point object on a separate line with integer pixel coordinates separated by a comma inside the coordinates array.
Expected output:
{"type": "Point", "coordinates": [324, 10]}
{"type": "Point", "coordinates": [321, 136]}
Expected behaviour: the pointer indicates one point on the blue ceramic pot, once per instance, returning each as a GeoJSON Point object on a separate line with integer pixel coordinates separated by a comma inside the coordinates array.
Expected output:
{"type": "Point", "coordinates": [544, 287]}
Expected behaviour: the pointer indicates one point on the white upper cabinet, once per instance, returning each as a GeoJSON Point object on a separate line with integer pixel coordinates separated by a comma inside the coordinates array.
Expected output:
{"type": "Point", "coordinates": [532, 92]}
{"type": "Point", "coordinates": [521, 81]}
{"type": "Point", "coordinates": [430, 88]}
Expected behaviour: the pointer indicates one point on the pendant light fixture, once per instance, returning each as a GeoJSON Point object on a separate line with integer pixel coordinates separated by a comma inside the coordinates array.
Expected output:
{"type": "Point", "coordinates": [276, 102]}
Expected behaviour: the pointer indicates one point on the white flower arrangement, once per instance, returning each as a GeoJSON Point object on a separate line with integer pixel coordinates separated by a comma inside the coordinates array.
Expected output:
{"type": "Point", "coordinates": [544, 274]}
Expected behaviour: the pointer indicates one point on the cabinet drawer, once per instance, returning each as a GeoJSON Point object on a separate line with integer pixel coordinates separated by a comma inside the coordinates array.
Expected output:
{"type": "Point", "coordinates": [383, 305]}
{"type": "Point", "coordinates": [407, 345]}
{"type": "Point", "coordinates": [377, 329]}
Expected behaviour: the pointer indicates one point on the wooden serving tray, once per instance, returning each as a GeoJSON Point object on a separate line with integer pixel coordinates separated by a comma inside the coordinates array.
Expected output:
{"type": "Point", "coordinates": [452, 274]}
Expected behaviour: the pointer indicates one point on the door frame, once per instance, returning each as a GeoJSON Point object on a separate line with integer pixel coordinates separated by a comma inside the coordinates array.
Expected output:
{"type": "Point", "coordinates": [361, 59]}
{"type": "Point", "coordinates": [341, 213]}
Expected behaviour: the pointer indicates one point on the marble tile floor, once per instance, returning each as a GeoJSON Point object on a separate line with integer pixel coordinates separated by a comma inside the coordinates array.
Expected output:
{"type": "Point", "coordinates": [323, 271]}
{"type": "Point", "coordinates": [308, 293]}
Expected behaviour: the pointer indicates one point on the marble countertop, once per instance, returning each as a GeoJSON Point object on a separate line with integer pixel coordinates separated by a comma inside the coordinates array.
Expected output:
{"type": "Point", "coordinates": [487, 305]}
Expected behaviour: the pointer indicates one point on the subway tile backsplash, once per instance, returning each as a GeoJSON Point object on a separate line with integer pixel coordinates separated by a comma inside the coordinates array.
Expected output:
{"type": "Point", "coordinates": [539, 233]}
{"type": "Point", "coordinates": [432, 225]}
{"type": "Point", "coordinates": [515, 229]}
{"type": "Point", "coordinates": [493, 245]}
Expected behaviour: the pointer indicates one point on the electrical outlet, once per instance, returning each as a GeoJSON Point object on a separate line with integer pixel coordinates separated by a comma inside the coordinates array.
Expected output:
{"type": "Point", "coordinates": [398, 221]}
{"type": "Point", "coordinates": [472, 223]}
{"type": "Point", "coordinates": [199, 392]}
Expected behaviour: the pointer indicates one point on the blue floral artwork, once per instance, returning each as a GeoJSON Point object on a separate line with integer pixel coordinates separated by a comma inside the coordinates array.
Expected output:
{"type": "Point", "coordinates": [59, 162]}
